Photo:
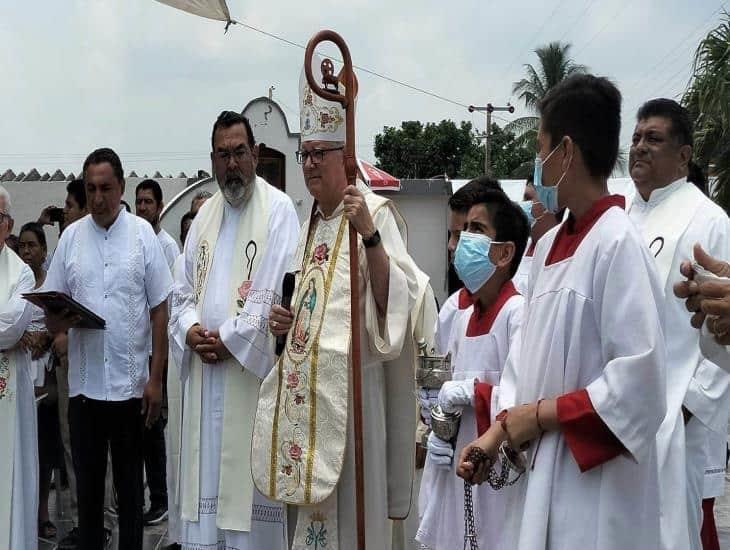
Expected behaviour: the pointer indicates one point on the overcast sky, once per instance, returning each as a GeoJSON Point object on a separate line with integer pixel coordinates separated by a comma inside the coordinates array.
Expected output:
{"type": "Point", "coordinates": [149, 80]}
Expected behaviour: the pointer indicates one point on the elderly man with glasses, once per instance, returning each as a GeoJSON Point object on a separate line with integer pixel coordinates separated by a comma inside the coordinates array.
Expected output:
{"type": "Point", "coordinates": [304, 434]}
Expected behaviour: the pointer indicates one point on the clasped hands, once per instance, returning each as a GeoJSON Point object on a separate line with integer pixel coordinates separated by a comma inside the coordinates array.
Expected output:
{"type": "Point", "coordinates": [709, 300]}
{"type": "Point", "coordinates": [207, 344]}
{"type": "Point", "coordinates": [37, 343]}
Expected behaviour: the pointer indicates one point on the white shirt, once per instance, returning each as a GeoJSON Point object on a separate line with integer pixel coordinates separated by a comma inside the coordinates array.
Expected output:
{"type": "Point", "coordinates": [170, 249]}
{"type": "Point", "coordinates": [120, 274]}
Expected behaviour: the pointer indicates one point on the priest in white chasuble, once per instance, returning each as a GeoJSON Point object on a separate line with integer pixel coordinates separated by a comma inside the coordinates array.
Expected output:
{"type": "Point", "coordinates": [584, 393]}
{"type": "Point", "coordinates": [236, 253]}
{"type": "Point", "coordinates": [673, 215]}
{"type": "Point", "coordinates": [303, 450]}
{"type": "Point", "coordinates": [18, 427]}
{"type": "Point", "coordinates": [486, 259]}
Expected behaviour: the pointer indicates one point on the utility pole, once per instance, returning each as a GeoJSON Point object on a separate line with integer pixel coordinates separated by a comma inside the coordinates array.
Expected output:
{"type": "Point", "coordinates": [489, 109]}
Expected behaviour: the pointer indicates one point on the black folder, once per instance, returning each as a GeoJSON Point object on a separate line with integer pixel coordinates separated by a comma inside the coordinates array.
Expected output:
{"type": "Point", "coordinates": [56, 302]}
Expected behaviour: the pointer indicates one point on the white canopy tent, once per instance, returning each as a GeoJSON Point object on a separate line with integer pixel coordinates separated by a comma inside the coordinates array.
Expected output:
{"type": "Point", "coordinates": [211, 9]}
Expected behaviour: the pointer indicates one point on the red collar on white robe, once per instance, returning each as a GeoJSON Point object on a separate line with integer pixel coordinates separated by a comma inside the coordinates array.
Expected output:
{"type": "Point", "coordinates": [480, 322]}
{"type": "Point", "coordinates": [573, 231]}
{"type": "Point", "coordinates": [465, 299]}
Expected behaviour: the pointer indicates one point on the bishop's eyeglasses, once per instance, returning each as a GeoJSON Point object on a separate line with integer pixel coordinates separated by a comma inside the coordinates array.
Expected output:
{"type": "Point", "coordinates": [315, 155]}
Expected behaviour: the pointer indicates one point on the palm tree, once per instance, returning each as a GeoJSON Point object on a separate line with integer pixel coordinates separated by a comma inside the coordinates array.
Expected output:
{"type": "Point", "coordinates": [555, 66]}
{"type": "Point", "coordinates": [708, 101]}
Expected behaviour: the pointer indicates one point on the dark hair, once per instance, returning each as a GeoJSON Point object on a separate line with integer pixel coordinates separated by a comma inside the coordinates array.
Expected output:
{"type": "Point", "coordinates": [230, 118]}
{"type": "Point", "coordinates": [37, 229]}
{"type": "Point", "coordinates": [463, 199]}
{"type": "Point", "coordinates": [150, 185]}
{"type": "Point", "coordinates": [188, 216]}
{"type": "Point", "coordinates": [76, 189]}
{"type": "Point", "coordinates": [509, 222]}
{"type": "Point", "coordinates": [681, 123]}
{"type": "Point", "coordinates": [105, 155]}
{"type": "Point", "coordinates": [126, 206]}
{"type": "Point", "coordinates": [588, 109]}
{"type": "Point", "coordinates": [696, 175]}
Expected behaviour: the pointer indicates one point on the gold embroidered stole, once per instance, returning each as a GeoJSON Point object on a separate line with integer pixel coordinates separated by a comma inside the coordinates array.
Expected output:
{"type": "Point", "coordinates": [235, 489]}
{"type": "Point", "coordinates": [10, 269]}
{"type": "Point", "coordinates": [301, 421]}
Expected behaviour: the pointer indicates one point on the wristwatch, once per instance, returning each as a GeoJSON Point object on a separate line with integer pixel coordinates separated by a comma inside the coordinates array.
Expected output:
{"type": "Point", "coordinates": [372, 240]}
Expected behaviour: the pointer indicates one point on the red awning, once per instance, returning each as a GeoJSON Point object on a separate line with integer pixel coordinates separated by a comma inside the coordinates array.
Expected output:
{"type": "Point", "coordinates": [377, 178]}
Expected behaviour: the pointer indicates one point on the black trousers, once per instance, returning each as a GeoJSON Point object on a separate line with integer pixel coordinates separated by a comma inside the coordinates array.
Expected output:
{"type": "Point", "coordinates": [95, 427]}
{"type": "Point", "coordinates": [155, 463]}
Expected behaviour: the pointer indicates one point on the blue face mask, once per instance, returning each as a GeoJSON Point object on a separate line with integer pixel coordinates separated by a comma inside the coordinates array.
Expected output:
{"type": "Point", "coordinates": [548, 196]}
{"type": "Point", "coordinates": [527, 209]}
{"type": "Point", "coordinates": [471, 260]}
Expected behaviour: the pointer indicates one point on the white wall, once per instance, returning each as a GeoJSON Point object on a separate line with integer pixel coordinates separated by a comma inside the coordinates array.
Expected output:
{"type": "Point", "coordinates": [270, 127]}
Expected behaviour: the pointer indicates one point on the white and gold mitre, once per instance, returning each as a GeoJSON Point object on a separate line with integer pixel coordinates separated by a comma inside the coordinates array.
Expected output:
{"type": "Point", "coordinates": [320, 119]}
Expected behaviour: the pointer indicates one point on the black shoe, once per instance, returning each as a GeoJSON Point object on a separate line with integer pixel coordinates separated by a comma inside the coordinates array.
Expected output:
{"type": "Point", "coordinates": [173, 546]}
{"type": "Point", "coordinates": [155, 515]}
{"type": "Point", "coordinates": [70, 541]}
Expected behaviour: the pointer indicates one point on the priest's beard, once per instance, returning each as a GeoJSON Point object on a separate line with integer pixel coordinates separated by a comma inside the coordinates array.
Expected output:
{"type": "Point", "coordinates": [237, 188]}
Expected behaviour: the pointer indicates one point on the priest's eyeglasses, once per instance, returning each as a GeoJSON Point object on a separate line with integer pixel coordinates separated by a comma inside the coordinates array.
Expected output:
{"type": "Point", "coordinates": [4, 216]}
{"type": "Point", "coordinates": [238, 154]}
{"type": "Point", "coordinates": [315, 155]}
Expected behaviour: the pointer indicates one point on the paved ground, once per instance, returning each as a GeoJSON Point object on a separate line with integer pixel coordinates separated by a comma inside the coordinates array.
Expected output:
{"type": "Point", "coordinates": [155, 536]}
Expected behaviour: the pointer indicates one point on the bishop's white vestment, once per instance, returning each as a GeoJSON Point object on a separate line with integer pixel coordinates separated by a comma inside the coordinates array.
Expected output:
{"type": "Point", "coordinates": [672, 221]}
{"type": "Point", "coordinates": [303, 438]}
{"type": "Point", "coordinates": [480, 345]}
{"type": "Point", "coordinates": [591, 337]}
{"type": "Point", "coordinates": [235, 260]}
{"type": "Point", "coordinates": [18, 424]}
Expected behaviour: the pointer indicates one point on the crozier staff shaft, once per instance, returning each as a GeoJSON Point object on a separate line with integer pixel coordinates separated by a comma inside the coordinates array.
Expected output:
{"type": "Point", "coordinates": [348, 103]}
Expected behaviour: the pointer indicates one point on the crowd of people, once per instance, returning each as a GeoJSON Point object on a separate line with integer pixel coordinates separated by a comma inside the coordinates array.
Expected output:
{"type": "Point", "coordinates": [588, 407]}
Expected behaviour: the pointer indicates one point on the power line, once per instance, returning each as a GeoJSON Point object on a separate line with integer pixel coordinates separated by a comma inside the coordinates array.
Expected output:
{"type": "Point", "coordinates": [664, 86]}
{"type": "Point", "coordinates": [358, 67]}
{"type": "Point", "coordinates": [610, 21]}
{"type": "Point", "coordinates": [648, 75]}
{"type": "Point", "coordinates": [532, 40]}
{"type": "Point", "coordinates": [570, 27]}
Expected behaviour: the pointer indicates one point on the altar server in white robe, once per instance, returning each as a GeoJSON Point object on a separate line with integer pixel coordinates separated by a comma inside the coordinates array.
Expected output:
{"type": "Point", "coordinates": [541, 221]}
{"type": "Point", "coordinates": [18, 427]}
{"type": "Point", "coordinates": [459, 302]}
{"type": "Point", "coordinates": [304, 436]}
{"type": "Point", "coordinates": [588, 382]}
{"type": "Point", "coordinates": [238, 249]}
{"type": "Point", "coordinates": [459, 204]}
{"type": "Point", "coordinates": [486, 259]}
{"type": "Point", "coordinates": [672, 215]}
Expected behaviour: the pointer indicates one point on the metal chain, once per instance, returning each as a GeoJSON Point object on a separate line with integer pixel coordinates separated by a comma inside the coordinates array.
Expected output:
{"type": "Point", "coordinates": [476, 456]}
{"type": "Point", "coordinates": [496, 481]}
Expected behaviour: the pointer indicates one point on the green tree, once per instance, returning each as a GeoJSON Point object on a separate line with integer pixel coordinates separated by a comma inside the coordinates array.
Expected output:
{"type": "Point", "coordinates": [417, 150]}
{"type": "Point", "coordinates": [555, 65]}
{"type": "Point", "coordinates": [708, 101]}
